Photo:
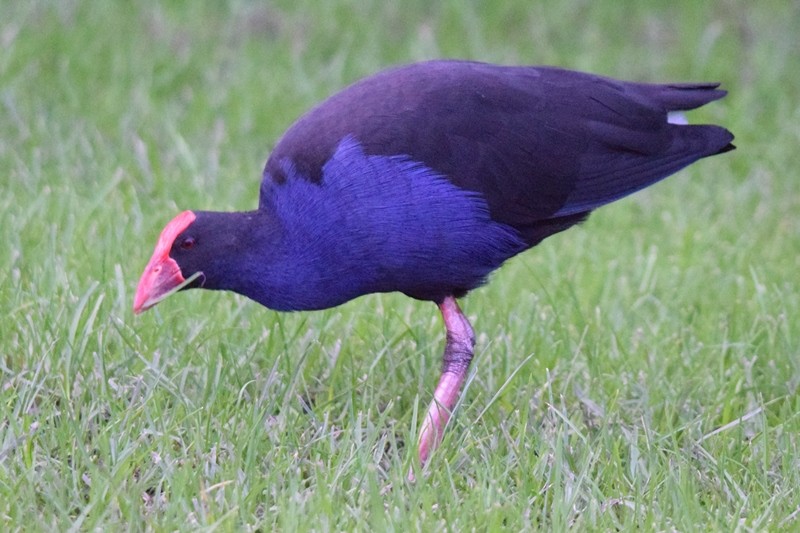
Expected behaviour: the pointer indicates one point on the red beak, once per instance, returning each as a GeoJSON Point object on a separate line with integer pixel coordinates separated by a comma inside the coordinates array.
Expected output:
{"type": "Point", "coordinates": [160, 277]}
{"type": "Point", "coordinates": [162, 274]}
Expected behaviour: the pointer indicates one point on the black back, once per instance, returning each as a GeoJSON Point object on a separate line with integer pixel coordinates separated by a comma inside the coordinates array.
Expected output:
{"type": "Point", "coordinates": [544, 146]}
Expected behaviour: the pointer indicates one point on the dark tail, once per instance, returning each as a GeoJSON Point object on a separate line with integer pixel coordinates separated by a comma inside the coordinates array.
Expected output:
{"type": "Point", "coordinates": [625, 160]}
{"type": "Point", "coordinates": [681, 96]}
{"type": "Point", "coordinates": [686, 96]}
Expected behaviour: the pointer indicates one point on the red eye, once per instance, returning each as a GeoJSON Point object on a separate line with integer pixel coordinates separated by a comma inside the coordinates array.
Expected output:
{"type": "Point", "coordinates": [188, 243]}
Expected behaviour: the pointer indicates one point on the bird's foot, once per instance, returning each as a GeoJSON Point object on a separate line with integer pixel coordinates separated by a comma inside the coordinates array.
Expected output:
{"type": "Point", "coordinates": [455, 364]}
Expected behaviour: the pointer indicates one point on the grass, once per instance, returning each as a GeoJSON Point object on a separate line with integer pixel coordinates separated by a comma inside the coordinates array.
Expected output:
{"type": "Point", "coordinates": [638, 372]}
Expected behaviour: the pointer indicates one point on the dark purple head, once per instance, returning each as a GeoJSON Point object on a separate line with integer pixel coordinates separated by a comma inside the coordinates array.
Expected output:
{"type": "Point", "coordinates": [201, 249]}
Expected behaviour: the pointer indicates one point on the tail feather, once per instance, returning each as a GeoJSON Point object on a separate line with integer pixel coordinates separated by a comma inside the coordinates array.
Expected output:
{"type": "Point", "coordinates": [681, 96]}
{"type": "Point", "coordinates": [609, 176]}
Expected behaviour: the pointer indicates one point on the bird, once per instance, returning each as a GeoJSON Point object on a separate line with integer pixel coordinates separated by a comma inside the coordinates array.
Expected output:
{"type": "Point", "coordinates": [425, 178]}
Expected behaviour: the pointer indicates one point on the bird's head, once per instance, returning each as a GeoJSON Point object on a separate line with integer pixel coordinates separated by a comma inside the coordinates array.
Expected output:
{"type": "Point", "coordinates": [171, 267]}
{"type": "Point", "coordinates": [209, 250]}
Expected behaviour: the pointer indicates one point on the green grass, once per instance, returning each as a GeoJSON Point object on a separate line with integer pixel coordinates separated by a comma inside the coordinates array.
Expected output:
{"type": "Point", "coordinates": [639, 372]}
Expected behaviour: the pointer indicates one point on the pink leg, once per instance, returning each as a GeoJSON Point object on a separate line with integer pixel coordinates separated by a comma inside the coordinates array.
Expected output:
{"type": "Point", "coordinates": [455, 363]}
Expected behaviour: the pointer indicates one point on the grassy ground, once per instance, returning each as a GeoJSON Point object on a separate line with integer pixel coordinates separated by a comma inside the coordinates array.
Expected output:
{"type": "Point", "coordinates": [638, 372]}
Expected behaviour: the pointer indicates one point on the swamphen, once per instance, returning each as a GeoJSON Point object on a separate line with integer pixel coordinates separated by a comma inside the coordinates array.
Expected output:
{"type": "Point", "coordinates": [424, 179]}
